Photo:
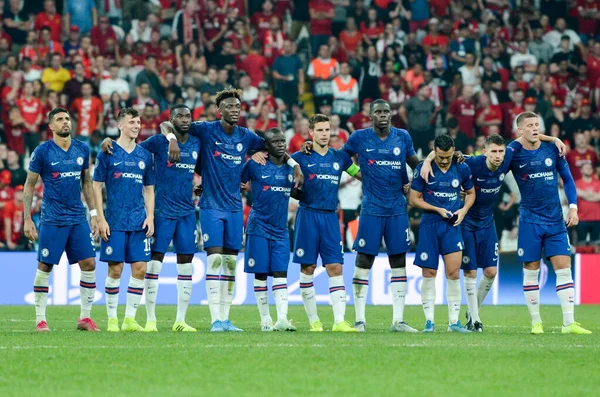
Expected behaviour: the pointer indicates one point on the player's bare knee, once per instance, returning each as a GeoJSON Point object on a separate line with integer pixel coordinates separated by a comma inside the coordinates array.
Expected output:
{"type": "Point", "coordinates": [453, 274]}
{"type": "Point", "coordinates": [308, 269]}
{"type": "Point", "coordinates": [87, 265]}
{"type": "Point", "coordinates": [334, 269]}
{"type": "Point", "coordinates": [138, 270]}
{"type": "Point", "coordinates": [158, 256]}
{"type": "Point", "coordinates": [261, 276]}
{"type": "Point", "coordinates": [531, 265]}
{"type": "Point", "coordinates": [470, 273]}
{"type": "Point", "coordinates": [181, 258]}
{"type": "Point", "coordinates": [490, 272]}
{"type": "Point", "coordinates": [279, 274]}
{"type": "Point", "coordinates": [429, 273]}
{"type": "Point", "coordinates": [365, 261]}
{"type": "Point", "coordinates": [397, 261]}
{"type": "Point", "coordinates": [115, 270]}
{"type": "Point", "coordinates": [45, 267]}
{"type": "Point", "coordinates": [561, 262]}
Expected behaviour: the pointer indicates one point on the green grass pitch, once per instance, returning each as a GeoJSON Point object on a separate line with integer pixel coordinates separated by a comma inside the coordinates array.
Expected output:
{"type": "Point", "coordinates": [504, 361]}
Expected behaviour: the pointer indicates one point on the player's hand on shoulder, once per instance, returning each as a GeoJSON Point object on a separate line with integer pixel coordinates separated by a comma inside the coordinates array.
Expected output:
{"type": "Point", "coordinates": [149, 226]}
{"type": "Point", "coordinates": [174, 151]}
{"type": "Point", "coordinates": [107, 146]}
{"type": "Point", "coordinates": [426, 171]}
{"type": "Point", "coordinates": [307, 147]}
{"type": "Point", "coordinates": [30, 230]}
{"type": "Point", "coordinates": [572, 217]}
{"type": "Point", "coordinates": [260, 157]}
{"type": "Point", "coordinates": [458, 157]}
{"type": "Point", "coordinates": [103, 229]}
{"type": "Point", "coordinates": [298, 177]}
{"type": "Point", "coordinates": [562, 148]}
{"type": "Point", "coordinates": [198, 189]}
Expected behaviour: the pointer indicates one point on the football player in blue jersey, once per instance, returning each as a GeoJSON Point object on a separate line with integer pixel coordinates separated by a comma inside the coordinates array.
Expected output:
{"type": "Point", "coordinates": [267, 237]}
{"type": "Point", "coordinates": [175, 214]}
{"type": "Point", "coordinates": [63, 164]}
{"type": "Point", "coordinates": [541, 224]}
{"type": "Point", "coordinates": [126, 229]}
{"type": "Point", "coordinates": [317, 227]}
{"type": "Point", "coordinates": [439, 230]}
{"type": "Point", "coordinates": [224, 148]}
{"type": "Point", "coordinates": [478, 229]}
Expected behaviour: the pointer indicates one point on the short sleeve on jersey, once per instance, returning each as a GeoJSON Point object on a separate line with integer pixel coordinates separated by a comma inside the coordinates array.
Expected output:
{"type": "Point", "coordinates": [151, 144]}
{"type": "Point", "coordinates": [86, 157]}
{"type": "Point", "coordinates": [345, 159]}
{"type": "Point", "coordinates": [254, 141]}
{"type": "Point", "coordinates": [197, 129]}
{"type": "Point", "coordinates": [150, 174]}
{"type": "Point", "coordinates": [247, 171]}
{"type": "Point", "coordinates": [467, 178]}
{"type": "Point", "coordinates": [410, 149]}
{"type": "Point", "coordinates": [418, 183]}
{"type": "Point", "coordinates": [351, 147]}
{"type": "Point", "coordinates": [36, 163]}
{"type": "Point", "coordinates": [101, 168]}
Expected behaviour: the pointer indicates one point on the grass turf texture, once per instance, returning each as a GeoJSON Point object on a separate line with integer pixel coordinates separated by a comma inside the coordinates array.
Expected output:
{"type": "Point", "coordinates": [506, 359]}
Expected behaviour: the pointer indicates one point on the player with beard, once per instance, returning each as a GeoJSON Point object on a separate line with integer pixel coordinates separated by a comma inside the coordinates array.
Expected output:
{"type": "Point", "coordinates": [63, 164]}
{"type": "Point", "coordinates": [174, 214]}
{"type": "Point", "coordinates": [224, 148]}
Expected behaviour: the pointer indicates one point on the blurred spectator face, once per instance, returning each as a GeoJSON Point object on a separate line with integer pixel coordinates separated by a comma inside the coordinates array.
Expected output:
{"type": "Point", "coordinates": [56, 61]}
{"type": "Point", "coordinates": [303, 128]}
{"type": "Point", "coordinates": [523, 47]}
{"type": "Point", "coordinates": [86, 43]}
{"type": "Point", "coordinates": [536, 81]}
{"type": "Point", "coordinates": [335, 142]}
{"type": "Point", "coordinates": [565, 43]}
{"type": "Point", "coordinates": [12, 158]}
{"type": "Point", "coordinates": [287, 47]}
{"type": "Point", "coordinates": [139, 48]}
{"type": "Point", "coordinates": [344, 69]}
{"type": "Point", "coordinates": [12, 62]}
{"type": "Point", "coordinates": [439, 63]}
{"type": "Point", "coordinates": [251, 123]}
{"type": "Point", "coordinates": [4, 44]}
{"type": "Point", "coordinates": [467, 93]}
{"type": "Point", "coordinates": [470, 59]}
{"type": "Point", "coordinates": [586, 109]}
{"type": "Point", "coordinates": [28, 88]}
{"type": "Point", "coordinates": [488, 64]}
{"type": "Point", "coordinates": [244, 82]}
{"type": "Point", "coordinates": [169, 78]}
{"type": "Point", "coordinates": [372, 52]}
{"type": "Point", "coordinates": [397, 83]}
{"type": "Point", "coordinates": [148, 113]}
{"type": "Point", "coordinates": [127, 60]}
{"type": "Point", "coordinates": [52, 96]}
{"type": "Point", "coordinates": [596, 49]}
{"type": "Point", "coordinates": [511, 86]}
{"type": "Point", "coordinates": [484, 100]}
{"type": "Point", "coordinates": [390, 30]}
{"type": "Point", "coordinates": [433, 27]}
{"type": "Point", "coordinates": [548, 88]}
{"type": "Point", "coordinates": [145, 90]}
{"type": "Point", "coordinates": [423, 92]}
{"type": "Point", "coordinates": [412, 39]}
{"type": "Point", "coordinates": [26, 64]}
{"type": "Point", "coordinates": [480, 142]}
{"type": "Point", "coordinates": [150, 63]}
{"type": "Point", "coordinates": [79, 70]}
{"type": "Point", "coordinates": [3, 151]}
{"type": "Point", "coordinates": [45, 35]}
{"type": "Point", "coordinates": [212, 75]}
{"type": "Point", "coordinates": [518, 96]}
{"type": "Point", "coordinates": [264, 111]}
{"type": "Point", "coordinates": [154, 36]}
{"type": "Point", "coordinates": [114, 71]}
{"type": "Point", "coordinates": [267, 6]}
{"type": "Point", "coordinates": [530, 107]}
{"type": "Point", "coordinates": [333, 43]}
{"type": "Point", "coordinates": [427, 77]}
{"type": "Point", "coordinates": [555, 130]}
{"type": "Point", "coordinates": [274, 23]}
{"type": "Point", "coordinates": [538, 34]}
{"type": "Point", "coordinates": [49, 6]}
{"type": "Point", "coordinates": [334, 120]}
{"type": "Point", "coordinates": [37, 87]}
{"type": "Point", "coordinates": [560, 25]}
{"type": "Point", "coordinates": [227, 47]}
{"type": "Point", "coordinates": [86, 90]}
{"type": "Point", "coordinates": [104, 24]}
{"type": "Point", "coordinates": [324, 51]}
{"type": "Point", "coordinates": [350, 24]}
{"type": "Point", "coordinates": [580, 141]}
{"type": "Point", "coordinates": [223, 76]}
{"type": "Point", "coordinates": [153, 19]}
{"type": "Point", "coordinates": [164, 45]}
{"type": "Point", "coordinates": [587, 170]}
{"type": "Point", "coordinates": [192, 6]}
{"type": "Point", "coordinates": [325, 109]}
{"type": "Point", "coordinates": [389, 67]}
{"type": "Point", "coordinates": [31, 37]}
{"type": "Point", "coordinates": [372, 15]}
{"type": "Point", "coordinates": [191, 92]}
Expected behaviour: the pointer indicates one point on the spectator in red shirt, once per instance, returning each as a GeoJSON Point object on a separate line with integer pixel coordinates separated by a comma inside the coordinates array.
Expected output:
{"type": "Point", "coordinates": [372, 28]}
{"type": "Point", "coordinates": [6, 191]}
{"type": "Point", "coordinates": [350, 37]}
{"type": "Point", "coordinates": [50, 18]}
{"type": "Point", "coordinates": [581, 154]}
{"type": "Point", "coordinates": [14, 128]}
{"type": "Point", "coordinates": [214, 25]}
{"type": "Point", "coordinates": [13, 221]}
{"type": "Point", "coordinates": [463, 110]}
{"type": "Point", "coordinates": [321, 13]}
{"type": "Point", "coordinates": [435, 37]}
{"type": "Point", "coordinates": [88, 111]}
{"type": "Point", "coordinates": [593, 66]}
{"type": "Point", "coordinates": [510, 111]}
{"type": "Point", "coordinates": [361, 119]}
{"type": "Point", "coordinates": [149, 124]}
{"type": "Point", "coordinates": [588, 20]}
{"type": "Point", "coordinates": [588, 192]}
{"type": "Point", "coordinates": [255, 65]}
{"type": "Point", "coordinates": [261, 20]}
{"type": "Point", "coordinates": [272, 40]}
{"type": "Point", "coordinates": [439, 8]}
{"type": "Point", "coordinates": [487, 114]}
{"type": "Point", "coordinates": [336, 131]}
{"type": "Point", "coordinates": [302, 135]}
{"type": "Point", "coordinates": [31, 111]}
{"type": "Point", "coordinates": [101, 33]}
{"type": "Point", "coordinates": [31, 48]}
{"type": "Point", "coordinates": [47, 45]}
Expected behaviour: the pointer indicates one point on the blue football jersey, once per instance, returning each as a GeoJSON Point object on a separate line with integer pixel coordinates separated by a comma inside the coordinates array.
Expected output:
{"type": "Point", "coordinates": [443, 189]}
{"type": "Point", "coordinates": [125, 175]}
{"type": "Point", "coordinates": [174, 181]}
{"type": "Point", "coordinates": [536, 173]}
{"type": "Point", "coordinates": [383, 167]}
{"type": "Point", "coordinates": [321, 178]}
{"type": "Point", "coordinates": [487, 186]}
{"type": "Point", "coordinates": [271, 189]}
{"type": "Point", "coordinates": [60, 171]}
{"type": "Point", "coordinates": [222, 161]}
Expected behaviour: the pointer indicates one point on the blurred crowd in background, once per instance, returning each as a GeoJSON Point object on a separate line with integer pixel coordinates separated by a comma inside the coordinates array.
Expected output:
{"type": "Point", "coordinates": [466, 68]}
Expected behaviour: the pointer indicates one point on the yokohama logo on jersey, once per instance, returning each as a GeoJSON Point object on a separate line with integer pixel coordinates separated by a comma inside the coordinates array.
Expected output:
{"type": "Point", "coordinates": [128, 175]}
{"type": "Point", "coordinates": [189, 167]}
{"type": "Point", "coordinates": [396, 165]}
{"type": "Point", "coordinates": [333, 178]}
{"type": "Point", "coordinates": [548, 175]}
{"type": "Point", "coordinates": [488, 191]}
{"type": "Point", "coordinates": [452, 196]}
{"type": "Point", "coordinates": [278, 189]}
{"type": "Point", "coordinates": [225, 156]}
{"type": "Point", "coordinates": [71, 174]}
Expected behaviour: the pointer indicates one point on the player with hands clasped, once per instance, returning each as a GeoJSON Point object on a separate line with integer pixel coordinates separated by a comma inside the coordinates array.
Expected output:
{"type": "Point", "coordinates": [439, 231]}
{"type": "Point", "coordinates": [63, 164]}
{"type": "Point", "coordinates": [125, 231]}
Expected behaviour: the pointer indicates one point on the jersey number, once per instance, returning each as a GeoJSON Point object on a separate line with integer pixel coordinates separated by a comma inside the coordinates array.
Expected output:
{"type": "Point", "coordinates": [460, 245]}
{"type": "Point", "coordinates": [147, 245]}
